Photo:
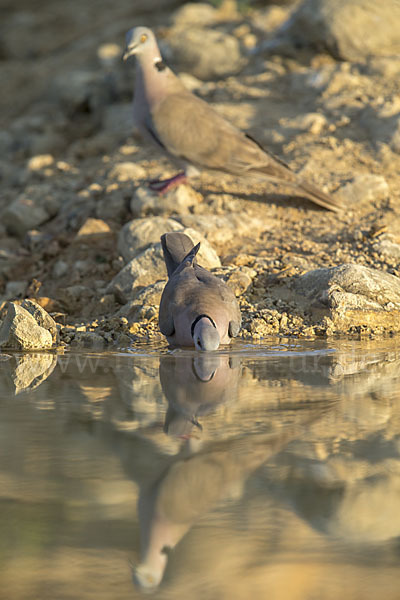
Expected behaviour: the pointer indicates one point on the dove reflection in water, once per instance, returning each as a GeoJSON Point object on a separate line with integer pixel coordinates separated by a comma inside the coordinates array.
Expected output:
{"type": "Point", "coordinates": [195, 385]}
{"type": "Point", "coordinates": [190, 486]}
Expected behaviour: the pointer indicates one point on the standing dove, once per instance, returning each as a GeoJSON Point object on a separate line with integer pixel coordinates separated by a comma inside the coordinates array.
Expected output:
{"type": "Point", "coordinates": [193, 134]}
{"type": "Point", "coordinates": [196, 307]}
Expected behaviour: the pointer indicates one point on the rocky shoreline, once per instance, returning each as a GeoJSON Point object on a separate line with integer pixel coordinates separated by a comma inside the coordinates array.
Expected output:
{"type": "Point", "coordinates": [79, 228]}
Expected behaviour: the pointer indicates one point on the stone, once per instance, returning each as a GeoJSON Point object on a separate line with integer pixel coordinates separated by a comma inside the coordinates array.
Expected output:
{"type": "Point", "coordinates": [88, 339]}
{"type": "Point", "coordinates": [350, 30]}
{"type": "Point", "coordinates": [74, 297]}
{"type": "Point", "coordinates": [42, 318]}
{"type": "Point", "coordinates": [240, 279]}
{"type": "Point", "coordinates": [139, 234]}
{"type": "Point", "coordinates": [23, 214]}
{"type": "Point", "coordinates": [206, 257]}
{"type": "Point", "coordinates": [93, 231]}
{"type": "Point", "coordinates": [81, 90]}
{"type": "Point", "coordinates": [39, 162]}
{"type": "Point", "coordinates": [146, 268]}
{"type": "Point", "coordinates": [147, 298]}
{"type": "Point", "coordinates": [199, 14]}
{"type": "Point", "coordinates": [179, 200]}
{"type": "Point", "coordinates": [60, 268]}
{"type": "Point", "coordinates": [388, 248]}
{"type": "Point", "coordinates": [116, 118]}
{"type": "Point", "coordinates": [315, 123]}
{"type": "Point", "coordinates": [205, 53]}
{"type": "Point", "coordinates": [352, 296]}
{"type": "Point", "coordinates": [127, 171]}
{"type": "Point", "coordinates": [37, 204]}
{"type": "Point", "coordinates": [112, 207]}
{"type": "Point", "coordinates": [32, 370]}
{"type": "Point", "coordinates": [220, 229]}
{"type": "Point", "coordinates": [394, 141]}
{"type": "Point", "coordinates": [15, 289]}
{"type": "Point", "coordinates": [20, 331]}
{"type": "Point", "coordinates": [364, 188]}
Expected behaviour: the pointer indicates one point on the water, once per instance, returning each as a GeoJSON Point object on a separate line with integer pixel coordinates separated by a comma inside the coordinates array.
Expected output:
{"type": "Point", "coordinates": [266, 472]}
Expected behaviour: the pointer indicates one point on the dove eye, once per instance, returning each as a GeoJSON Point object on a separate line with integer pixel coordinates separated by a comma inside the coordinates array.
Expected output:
{"type": "Point", "coordinates": [143, 38]}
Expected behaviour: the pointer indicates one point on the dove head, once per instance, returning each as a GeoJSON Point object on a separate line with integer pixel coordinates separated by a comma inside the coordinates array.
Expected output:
{"type": "Point", "coordinates": [148, 576]}
{"type": "Point", "coordinates": [205, 334]}
{"type": "Point", "coordinates": [141, 41]}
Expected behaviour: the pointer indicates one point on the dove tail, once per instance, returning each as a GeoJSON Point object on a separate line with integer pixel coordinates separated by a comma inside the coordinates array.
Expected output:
{"type": "Point", "coordinates": [318, 196]}
{"type": "Point", "coordinates": [176, 246]}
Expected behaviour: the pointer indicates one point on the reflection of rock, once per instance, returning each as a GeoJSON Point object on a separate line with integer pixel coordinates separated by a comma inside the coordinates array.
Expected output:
{"type": "Point", "coordinates": [20, 331]}
{"type": "Point", "coordinates": [195, 385]}
{"type": "Point", "coordinates": [369, 511]}
{"type": "Point", "coordinates": [31, 370]}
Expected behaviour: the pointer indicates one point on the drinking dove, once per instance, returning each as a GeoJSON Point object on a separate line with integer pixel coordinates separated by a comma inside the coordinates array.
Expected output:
{"type": "Point", "coordinates": [196, 307]}
{"type": "Point", "coordinates": [193, 134]}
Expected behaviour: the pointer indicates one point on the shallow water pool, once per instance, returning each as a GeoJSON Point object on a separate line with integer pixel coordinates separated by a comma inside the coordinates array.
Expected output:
{"type": "Point", "coordinates": [260, 472]}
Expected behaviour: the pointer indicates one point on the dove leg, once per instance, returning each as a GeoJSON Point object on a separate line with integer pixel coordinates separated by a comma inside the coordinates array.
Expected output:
{"type": "Point", "coordinates": [164, 185]}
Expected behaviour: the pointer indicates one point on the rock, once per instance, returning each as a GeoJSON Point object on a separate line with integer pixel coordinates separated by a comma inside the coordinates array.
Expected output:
{"type": "Point", "coordinates": [20, 331]}
{"type": "Point", "coordinates": [75, 297]}
{"type": "Point", "coordinates": [32, 370]}
{"type": "Point", "coordinates": [146, 301]}
{"type": "Point", "coordinates": [207, 257]}
{"type": "Point", "coordinates": [146, 268]}
{"type": "Point", "coordinates": [60, 268]}
{"type": "Point", "coordinates": [364, 188]}
{"type": "Point", "coordinates": [82, 91]}
{"type": "Point", "coordinates": [15, 289]}
{"type": "Point", "coordinates": [127, 171]}
{"type": "Point", "coordinates": [139, 234]}
{"type": "Point", "coordinates": [239, 279]}
{"type": "Point", "coordinates": [117, 118]}
{"type": "Point", "coordinates": [23, 214]}
{"type": "Point", "coordinates": [109, 55]}
{"type": "Point", "coordinates": [34, 206]}
{"type": "Point", "coordinates": [199, 14]}
{"type": "Point", "coordinates": [93, 231]}
{"type": "Point", "coordinates": [177, 201]}
{"type": "Point", "coordinates": [394, 141]}
{"type": "Point", "coordinates": [349, 29]}
{"type": "Point", "coordinates": [112, 207]}
{"type": "Point", "coordinates": [39, 162]}
{"type": "Point", "coordinates": [205, 53]}
{"type": "Point", "coordinates": [221, 229]}
{"type": "Point", "coordinates": [88, 339]}
{"type": "Point", "coordinates": [42, 318]}
{"type": "Point", "coordinates": [315, 123]}
{"type": "Point", "coordinates": [387, 248]}
{"type": "Point", "coordinates": [352, 296]}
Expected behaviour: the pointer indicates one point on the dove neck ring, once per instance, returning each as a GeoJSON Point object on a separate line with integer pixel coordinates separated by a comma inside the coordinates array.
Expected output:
{"type": "Point", "coordinates": [160, 64]}
{"type": "Point", "coordinates": [197, 319]}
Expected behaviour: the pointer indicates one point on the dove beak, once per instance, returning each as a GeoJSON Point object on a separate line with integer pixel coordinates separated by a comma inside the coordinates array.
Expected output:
{"type": "Point", "coordinates": [130, 51]}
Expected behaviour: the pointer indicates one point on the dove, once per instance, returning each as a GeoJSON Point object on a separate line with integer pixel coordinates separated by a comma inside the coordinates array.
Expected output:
{"type": "Point", "coordinates": [193, 135]}
{"type": "Point", "coordinates": [195, 385]}
{"type": "Point", "coordinates": [197, 308]}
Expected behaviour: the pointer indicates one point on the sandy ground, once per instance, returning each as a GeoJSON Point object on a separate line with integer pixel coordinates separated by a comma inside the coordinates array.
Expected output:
{"type": "Point", "coordinates": [66, 127]}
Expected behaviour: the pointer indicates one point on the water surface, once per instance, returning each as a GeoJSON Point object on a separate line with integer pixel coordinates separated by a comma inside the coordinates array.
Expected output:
{"type": "Point", "coordinates": [262, 472]}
